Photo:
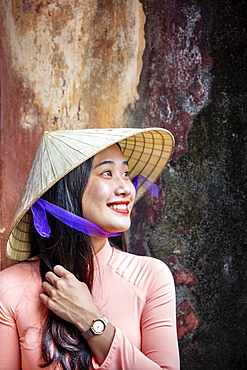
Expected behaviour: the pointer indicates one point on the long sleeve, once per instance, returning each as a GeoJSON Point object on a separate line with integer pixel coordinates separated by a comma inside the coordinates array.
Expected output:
{"type": "Point", "coordinates": [21, 318]}
{"type": "Point", "coordinates": [158, 345]}
{"type": "Point", "coordinates": [9, 341]}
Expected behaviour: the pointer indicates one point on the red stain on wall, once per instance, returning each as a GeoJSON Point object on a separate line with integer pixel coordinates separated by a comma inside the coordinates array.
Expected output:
{"type": "Point", "coordinates": [180, 64]}
{"type": "Point", "coordinates": [182, 276]}
{"type": "Point", "coordinates": [18, 143]}
{"type": "Point", "coordinates": [187, 320]}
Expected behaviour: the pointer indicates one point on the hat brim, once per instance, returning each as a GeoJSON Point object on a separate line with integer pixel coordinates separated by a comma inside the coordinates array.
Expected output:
{"type": "Point", "coordinates": [146, 150]}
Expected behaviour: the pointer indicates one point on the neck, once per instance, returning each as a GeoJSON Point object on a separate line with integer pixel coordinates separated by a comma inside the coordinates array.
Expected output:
{"type": "Point", "coordinates": [98, 243]}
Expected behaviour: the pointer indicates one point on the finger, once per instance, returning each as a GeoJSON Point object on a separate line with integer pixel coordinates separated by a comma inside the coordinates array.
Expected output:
{"type": "Point", "coordinates": [51, 277]}
{"type": "Point", "coordinates": [47, 301]}
{"type": "Point", "coordinates": [61, 271]}
{"type": "Point", "coordinates": [47, 287]}
{"type": "Point", "coordinates": [44, 299]}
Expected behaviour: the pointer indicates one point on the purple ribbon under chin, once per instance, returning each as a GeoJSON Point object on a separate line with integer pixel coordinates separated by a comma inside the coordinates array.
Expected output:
{"type": "Point", "coordinates": [41, 206]}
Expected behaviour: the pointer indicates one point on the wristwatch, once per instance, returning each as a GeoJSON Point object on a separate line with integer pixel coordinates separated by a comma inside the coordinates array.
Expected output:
{"type": "Point", "coordinates": [98, 327]}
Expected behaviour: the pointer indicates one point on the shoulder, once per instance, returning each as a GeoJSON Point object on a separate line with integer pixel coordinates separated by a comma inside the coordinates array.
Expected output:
{"type": "Point", "coordinates": [143, 271]}
{"type": "Point", "coordinates": [20, 270]}
{"type": "Point", "coordinates": [19, 279]}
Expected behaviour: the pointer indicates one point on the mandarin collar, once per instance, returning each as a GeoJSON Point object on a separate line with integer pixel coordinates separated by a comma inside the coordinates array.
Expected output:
{"type": "Point", "coordinates": [103, 256]}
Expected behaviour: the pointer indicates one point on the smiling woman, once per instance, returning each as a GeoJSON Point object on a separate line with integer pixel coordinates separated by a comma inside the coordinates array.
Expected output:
{"type": "Point", "coordinates": [77, 302]}
{"type": "Point", "coordinates": [110, 194]}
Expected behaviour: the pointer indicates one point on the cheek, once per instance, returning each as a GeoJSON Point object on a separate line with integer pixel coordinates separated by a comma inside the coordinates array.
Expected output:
{"type": "Point", "coordinates": [95, 194]}
{"type": "Point", "coordinates": [99, 191]}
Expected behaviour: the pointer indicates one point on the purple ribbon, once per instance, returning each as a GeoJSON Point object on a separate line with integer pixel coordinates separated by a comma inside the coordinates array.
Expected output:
{"type": "Point", "coordinates": [140, 180]}
{"type": "Point", "coordinates": [41, 206]}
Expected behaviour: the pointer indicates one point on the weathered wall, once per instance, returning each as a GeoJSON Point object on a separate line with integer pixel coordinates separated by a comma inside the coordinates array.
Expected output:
{"type": "Point", "coordinates": [63, 65]}
{"type": "Point", "coordinates": [201, 230]}
{"type": "Point", "coordinates": [177, 64]}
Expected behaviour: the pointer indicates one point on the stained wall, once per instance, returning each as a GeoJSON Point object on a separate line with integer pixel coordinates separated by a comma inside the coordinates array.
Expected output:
{"type": "Point", "coordinates": [198, 225]}
{"type": "Point", "coordinates": [63, 65]}
{"type": "Point", "coordinates": [176, 64]}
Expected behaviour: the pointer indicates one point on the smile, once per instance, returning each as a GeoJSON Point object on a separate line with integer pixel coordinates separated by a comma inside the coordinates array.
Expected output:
{"type": "Point", "coordinates": [119, 207]}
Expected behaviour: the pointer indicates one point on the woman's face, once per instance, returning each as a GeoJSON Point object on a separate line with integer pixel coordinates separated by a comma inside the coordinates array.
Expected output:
{"type": "Point", "coordinates": [109, 196]}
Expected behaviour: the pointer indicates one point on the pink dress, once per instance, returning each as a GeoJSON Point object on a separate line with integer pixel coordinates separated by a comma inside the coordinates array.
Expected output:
{"type": "Point", "coordinates": [137, 296]}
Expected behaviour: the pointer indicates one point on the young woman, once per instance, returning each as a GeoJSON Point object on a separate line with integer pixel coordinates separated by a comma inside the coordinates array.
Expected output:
{"type": "Point", "coordinates": [78, 301]}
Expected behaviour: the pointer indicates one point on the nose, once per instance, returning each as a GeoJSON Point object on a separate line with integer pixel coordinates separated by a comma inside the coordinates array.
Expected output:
{"type": "Point", "coordinates": [123, 187]}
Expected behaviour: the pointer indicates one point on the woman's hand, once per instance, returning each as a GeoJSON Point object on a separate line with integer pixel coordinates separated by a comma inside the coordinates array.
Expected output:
{"type": "Point", "coordinates": [69, 298]}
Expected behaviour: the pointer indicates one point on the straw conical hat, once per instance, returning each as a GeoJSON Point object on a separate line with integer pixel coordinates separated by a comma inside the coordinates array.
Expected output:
{"type": "Point", "coordinates": [146, 150]}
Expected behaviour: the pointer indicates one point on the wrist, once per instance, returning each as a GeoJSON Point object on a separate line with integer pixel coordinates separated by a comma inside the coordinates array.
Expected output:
{"type": "Point", "coordinates": [85, 318]}
{"type": "Point", "coordinates": [97, 327]}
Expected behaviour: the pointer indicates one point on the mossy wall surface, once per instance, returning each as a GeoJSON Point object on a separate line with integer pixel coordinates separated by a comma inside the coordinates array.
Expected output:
{"type": "Point", "coordinates": [201, 231]}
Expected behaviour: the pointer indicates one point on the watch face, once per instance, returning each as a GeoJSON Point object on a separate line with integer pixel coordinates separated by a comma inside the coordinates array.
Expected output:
{"type": "Point", "coordinates": [98, 327]}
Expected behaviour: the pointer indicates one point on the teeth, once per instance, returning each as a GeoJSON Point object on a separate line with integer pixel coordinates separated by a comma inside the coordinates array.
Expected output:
{"type": "Point", "coordinates": [119, 206]}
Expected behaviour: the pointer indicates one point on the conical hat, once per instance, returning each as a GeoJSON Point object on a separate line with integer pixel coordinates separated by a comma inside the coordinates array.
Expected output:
{"type": "Point", "coordinates": [146, 150]}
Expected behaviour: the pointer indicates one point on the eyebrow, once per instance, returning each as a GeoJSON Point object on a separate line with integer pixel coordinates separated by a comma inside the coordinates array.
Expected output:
{"type": "Point", "coordinates": [125, 163]}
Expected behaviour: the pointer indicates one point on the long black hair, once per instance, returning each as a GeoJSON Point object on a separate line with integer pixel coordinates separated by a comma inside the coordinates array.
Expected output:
{"type": "Point", "coordinates": [62, 342]}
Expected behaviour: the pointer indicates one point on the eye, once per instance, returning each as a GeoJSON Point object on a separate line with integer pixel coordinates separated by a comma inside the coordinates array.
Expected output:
{"type": "Point", "coordinates": [106, 173]}
{"type": "Point", "coordinates": [126, 174]}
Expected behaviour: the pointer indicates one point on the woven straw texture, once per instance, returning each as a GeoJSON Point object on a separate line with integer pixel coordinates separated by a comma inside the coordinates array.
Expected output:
{"type": "Point", "coordinates": [146, 150]}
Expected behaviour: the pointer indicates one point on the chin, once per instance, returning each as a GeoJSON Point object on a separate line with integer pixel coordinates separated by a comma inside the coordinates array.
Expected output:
{"type": "Point", "coordinates": [119, 229]}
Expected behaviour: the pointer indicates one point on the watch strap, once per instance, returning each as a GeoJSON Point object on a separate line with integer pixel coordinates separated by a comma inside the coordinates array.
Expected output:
{"type": "Point", "coordinates": [90, 333]}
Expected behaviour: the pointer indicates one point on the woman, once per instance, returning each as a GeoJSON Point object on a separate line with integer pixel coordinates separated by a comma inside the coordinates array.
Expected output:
{"type": "Point", "coordinates": [77, 302]}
